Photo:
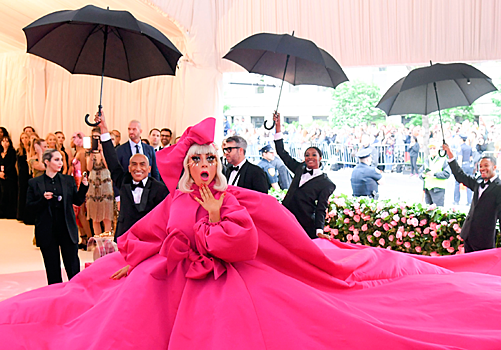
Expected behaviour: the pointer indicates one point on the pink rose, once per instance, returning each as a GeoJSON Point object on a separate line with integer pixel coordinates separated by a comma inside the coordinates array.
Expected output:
{"type": "Point", "coordinates": [356, 218]}
{"type": "Point", "coordinates": [388, 247]}
{"type": "Point", "coordinates": [355, 232]}
{"type": "Point", "coordinates": [446, 244]}
{"type": "Point", "coordinates": [393, 223]}
{"type": "Point", "coordinates": [356, 238]}
{"type": "Point", "coordinates": [411, 234]}
{"type": "Point", "coordinates": [384, 215]}
{"type": "Point", "coordinates": [364, 227]}
{"type": "Point", "coordinates": [351, 228]}
{"type": "Point", "coordinates": [451, 249]}
{"type": "Point", "coordinates": [335, 231]}
{"type": "Point", "coordinates": [403, 220]}
{"type": "Point", "coordinates": [356, 206]}
{"type": "Point", "coordinates": [346, 221]}
{"type": "Point", "coordinates": [377, 233]}
{"type": "Point", "coordinates": [378, 223]}
{"type": "Point", "coordinates": [432, 207]}
{"type": "Point", "coordinates": [381, 241]}
{"type": "Point", "coordinates": [369, 238]}
{"type": "Point", "coordinates": [433, 226]}
{"type": "Point", "coordinates": [461, 249]}
{"type": "Point", "coordinates": [394, 210]}
{"type": "Point", "coordinates": [404, 212]}
{"type": "Point", "coordinates": [349, 237]}
{"type": "Point", "coordinates": [391, 237]}
{"type": "Point", "coordinates": [433, 234]}
{"type": "Point", "coordinates": [415, 222]}
{"type": "Point", "coordinates": [396, 218]}
{"type": "Point", "coordinates": [358, 211]}
{"type": "Point", "coordinates": [346, 211]}
{"type": "Point", "coordinates": [379, 207]}
{"type": "Point", "coordinates": [327, 228]}
{"type": "Point", "coordinates": [423, 222]}
{"type": "Point", "coordinates": [386, 227]}
{"type": "Point", "coordinates": [404, 233]}
{"type": "Point", "coordinates": [350, 213]}
{"type": "Point", "coordinates": [418, 249]}
{"type": "Point", "coordinates": [426, 230]}
{"type": "Point", "coordinates": [399, 234]}
{"type": "Point", "coordinates": [418, 229]}
{"type": "Point", "coordinates": [434, 254]}
{"type": "Point", "coordinates": [399, 242]}
{"type": "Point", "coordinates": [452, 221]}
{"type": "Point", "coordinates": [407, 245]}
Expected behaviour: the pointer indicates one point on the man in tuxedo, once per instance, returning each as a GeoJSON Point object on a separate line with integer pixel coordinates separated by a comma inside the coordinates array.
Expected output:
{"type": "Point", "coordinates": [117, 135]}
{"type": "Point", "coordinates": [51, 198]}
{"type": "Point", "coordinates": [139, 193]}
{"type": "Point", "coordinates": [479, 228]}
{"type": "Point", "coordinates": [133, 146]}
{"type": "Point", "coordinates": [308, 195]}
{"type": "Point", "coordinates": [240, 172]}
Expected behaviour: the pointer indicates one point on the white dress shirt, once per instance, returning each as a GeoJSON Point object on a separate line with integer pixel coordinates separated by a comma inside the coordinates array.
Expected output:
{"type": "Point", "coordinates": [133, 147]}
{"type": "Point", "coordinates": [138, 191]}
{"type": "Point", "coordinates": [235, 175]}
{"type": "Point", "coordinates": [481, 190]}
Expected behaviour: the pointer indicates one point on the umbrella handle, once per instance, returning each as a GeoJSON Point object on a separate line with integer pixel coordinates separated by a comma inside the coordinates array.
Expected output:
{"type": "Point", "coordinates": [442, 153]}
{"type": "Point", "coordinates": [87, 118]}
{"type": "Point", "coordinates": [269, 128]}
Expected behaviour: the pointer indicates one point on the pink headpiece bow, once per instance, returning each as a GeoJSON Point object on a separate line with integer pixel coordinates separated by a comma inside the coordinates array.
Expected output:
{"type": "Point", "coordinates": [170, 159]}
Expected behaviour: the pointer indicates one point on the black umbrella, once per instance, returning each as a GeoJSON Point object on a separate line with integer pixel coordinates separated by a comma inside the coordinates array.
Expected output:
{"type": "Point", "coordinates": [102, 42]}
{"type": "Point", "coordinates": [297, 61]}
{"type": "Point", "coordinates": [438, 86]}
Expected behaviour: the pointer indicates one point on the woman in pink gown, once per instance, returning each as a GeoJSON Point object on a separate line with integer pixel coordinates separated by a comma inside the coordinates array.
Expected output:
{"type": "Point", "coordinates": [211, 268]}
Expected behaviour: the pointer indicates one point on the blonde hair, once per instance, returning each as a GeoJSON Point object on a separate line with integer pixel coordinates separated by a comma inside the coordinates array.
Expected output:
{"type": "Point", "coordinates": [186, 180]}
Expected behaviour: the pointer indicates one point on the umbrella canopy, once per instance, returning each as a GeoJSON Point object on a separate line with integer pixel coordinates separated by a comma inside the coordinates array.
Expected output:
{"type": "Point", "coordinates": [456, 84]}
{"type": "Point", "coordinates": [268, 54]}
{"type": "Point", "coordinates": [102, 42]}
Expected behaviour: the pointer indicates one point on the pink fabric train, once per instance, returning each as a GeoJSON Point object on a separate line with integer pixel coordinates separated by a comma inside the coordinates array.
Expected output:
{"type": "Point", "coordinates": [256, 281]}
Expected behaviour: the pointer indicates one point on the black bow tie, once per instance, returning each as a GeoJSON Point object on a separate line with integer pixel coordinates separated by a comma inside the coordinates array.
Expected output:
{"type": "Point", "coordinates": [140, 184]}
{"type": "Point", "coordinates": [484, 184]}
{"type": "Point", "coordinates": [309, 171]}
{"type": "Point", "coordinates": [234, 168]}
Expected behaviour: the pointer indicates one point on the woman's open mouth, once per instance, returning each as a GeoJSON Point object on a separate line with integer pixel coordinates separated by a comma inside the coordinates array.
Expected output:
{"type": "Point", "coordinates": [204, 175]}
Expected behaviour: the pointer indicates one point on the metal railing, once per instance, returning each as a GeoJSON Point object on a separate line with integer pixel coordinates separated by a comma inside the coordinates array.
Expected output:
{"type": "Point", "coordinates": [343, 155]}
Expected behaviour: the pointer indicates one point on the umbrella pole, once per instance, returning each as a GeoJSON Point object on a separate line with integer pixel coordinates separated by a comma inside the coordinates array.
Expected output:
{"type": "Point", "coordinates": [102, 80]}
{"type": "Point", "coordinates": [279, 94]}
{"type": "Point", "coordinates": [441, 152]}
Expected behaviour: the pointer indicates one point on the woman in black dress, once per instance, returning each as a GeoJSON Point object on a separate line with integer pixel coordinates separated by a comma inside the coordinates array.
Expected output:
{"type": "Point", "coordinates": [8, 180]}
{"type": "Point", "coordinates": [23, 174]}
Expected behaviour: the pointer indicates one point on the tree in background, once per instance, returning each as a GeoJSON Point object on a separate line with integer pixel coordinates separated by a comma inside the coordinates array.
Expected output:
{"type": "Point", "coordinates": [354, 103]}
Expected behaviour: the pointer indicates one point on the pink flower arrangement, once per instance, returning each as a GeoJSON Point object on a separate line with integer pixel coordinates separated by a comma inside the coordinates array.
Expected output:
{"type": "Point", "coordinates": [415, 228]}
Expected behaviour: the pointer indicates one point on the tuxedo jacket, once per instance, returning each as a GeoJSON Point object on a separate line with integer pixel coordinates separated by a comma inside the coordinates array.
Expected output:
{"type": "Point", "coordinates": [36, 202]}
{"type": "Point", "coordinates": [479, 228]}
{"type": "Point", "coordinates": [124, 153]}
{"type": "Point", "coordinates": [309, 202]}
{"type": "Point", "coordinates": [251, 177]}
{"type": "Point", "coordinates": [154, 192]}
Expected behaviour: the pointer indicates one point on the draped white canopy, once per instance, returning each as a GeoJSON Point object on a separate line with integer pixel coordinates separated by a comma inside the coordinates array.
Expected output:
{"type": "Point", "coordinates": [355, 32]}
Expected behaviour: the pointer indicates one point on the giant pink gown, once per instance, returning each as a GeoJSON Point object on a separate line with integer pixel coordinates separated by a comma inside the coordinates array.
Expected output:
{"type": "Point", "coordinates": [256, 281]}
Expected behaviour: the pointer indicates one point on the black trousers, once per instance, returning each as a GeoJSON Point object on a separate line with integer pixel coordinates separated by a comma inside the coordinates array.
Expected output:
{"type": "Point", "coordinates": [414, 169]}
{"type": "Point", "coordinates": [51, 257]}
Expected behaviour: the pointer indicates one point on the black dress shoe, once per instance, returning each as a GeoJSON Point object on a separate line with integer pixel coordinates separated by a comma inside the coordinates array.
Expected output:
{"type": "Point", "coordinates": [82, 246]}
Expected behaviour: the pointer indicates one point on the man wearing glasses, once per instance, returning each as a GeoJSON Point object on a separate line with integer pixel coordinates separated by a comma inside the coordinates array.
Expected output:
{"type": "Point", "coordinates": [165, 137]}
{"type": "Point", "coordinates": [240, 172]}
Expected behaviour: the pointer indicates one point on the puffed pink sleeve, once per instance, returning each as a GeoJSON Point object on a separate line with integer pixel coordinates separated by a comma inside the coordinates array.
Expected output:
{"type": "Point", "coordinates": [232, 239]}
{"type": "Point", "coordinates": [144, 239]}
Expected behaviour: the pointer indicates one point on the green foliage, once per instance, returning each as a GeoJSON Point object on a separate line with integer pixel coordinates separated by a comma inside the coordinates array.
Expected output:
{"type": "Point", "coordinates": [226, 108]}
{"type": "Point", "coordinates": [354, 103]}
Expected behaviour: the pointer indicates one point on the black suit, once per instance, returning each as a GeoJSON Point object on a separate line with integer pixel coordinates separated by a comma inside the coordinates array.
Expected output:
{"type": "Point", "coordinates": [153, 193]}
{"type": "Point", "coordinates": [308, 202]}
{"type": "Point", "coordinates": [479, 228]}
{"type": "Point", "coordinates": [124, 153]}
{"type": "Point", "coordinates": [65, 235]}
{"type": "Point", "coordinates": [250, 176]}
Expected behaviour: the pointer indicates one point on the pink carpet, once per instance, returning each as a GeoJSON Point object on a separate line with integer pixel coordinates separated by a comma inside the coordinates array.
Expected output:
{"type": "Point", "coordinates": [16, 283]}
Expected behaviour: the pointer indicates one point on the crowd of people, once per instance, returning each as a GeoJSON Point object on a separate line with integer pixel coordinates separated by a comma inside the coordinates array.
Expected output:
{"type": "Point", "coordinates": [395, 144]}
{"type": "Point", "coordinates": [23, 160]}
